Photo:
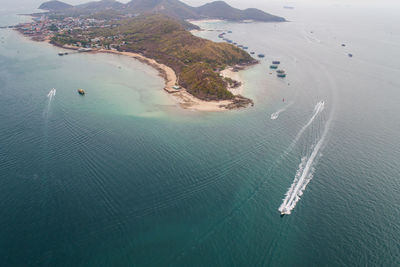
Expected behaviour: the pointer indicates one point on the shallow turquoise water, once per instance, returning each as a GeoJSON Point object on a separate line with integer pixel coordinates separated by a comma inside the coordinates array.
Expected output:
{"type": "Point", "coordinates": [124, 177]}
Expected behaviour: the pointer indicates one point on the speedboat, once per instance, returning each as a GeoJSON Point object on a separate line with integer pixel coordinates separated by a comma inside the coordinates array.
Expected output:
{"type": "Point", "coordinates": [81, 91]}
{"type": "Point", "coordinates": [283, 212]}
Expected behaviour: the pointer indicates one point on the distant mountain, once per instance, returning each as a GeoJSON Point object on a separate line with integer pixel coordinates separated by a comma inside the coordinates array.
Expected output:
{"type": "Point", "coordinates": [101, 5]}
{"type": "Point", "coordinates": [54, 6]}
{"type": "Point", "coordinates": [221, 10]}
{"type": "Point", "coordinates": [172, 8]}
{"type": "Point", "coordinates": [214, 10]}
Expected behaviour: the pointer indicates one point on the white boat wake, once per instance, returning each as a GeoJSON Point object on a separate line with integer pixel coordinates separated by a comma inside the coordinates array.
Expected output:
{"type": "Point", "coordinates": [275, 115]}
{"type": "Point", "coordinates": [50, 97]}
{"type": "Point", "coordinates": [317, 109]}
{"type": "Point", "coordinates": [51, 94]}
{"type": "Point", "coordinates": [305, 171]}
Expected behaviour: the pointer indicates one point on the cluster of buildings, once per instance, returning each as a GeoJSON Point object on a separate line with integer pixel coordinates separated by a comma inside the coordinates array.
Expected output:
{"type": "Point", "coordinates": [43, 28]}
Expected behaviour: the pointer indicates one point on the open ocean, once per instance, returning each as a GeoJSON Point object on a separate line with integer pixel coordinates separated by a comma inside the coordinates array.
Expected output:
{"type": "Point", "coordinates": [123, 177]}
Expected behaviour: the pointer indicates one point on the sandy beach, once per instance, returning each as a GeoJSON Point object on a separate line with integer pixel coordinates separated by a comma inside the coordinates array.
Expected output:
{"type": "Point", "coordinates": [229, 73]}
{"type": "Point", "coordinates": [182, 97]}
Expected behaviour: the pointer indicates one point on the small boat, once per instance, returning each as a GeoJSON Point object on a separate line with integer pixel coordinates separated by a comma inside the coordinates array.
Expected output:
{"type": "Point", "coordinates": [82, 50]}
{"type": "Point", "coordinates": [343, 45]}
{"type": "Point", "coordinates": [252, 53]}
{"type": "Point", "coordinates": [283, 212]}
{"type": "Point", "coordinates": [276, 62]}
{"type": "Point", "coordinates": [281, 75]}
{"type": "Point", "coordinates": [261, 55]}
{"type": "Point", "coordinates": [81, 91]}
{"type": "Point", "coordinates": [280, 71]}
{"type": "Point", "coordinates": [245, 47]}
{"type": "Point", "coordinates": [350, 55]}
{"type": "Point", "coordinates": [229, 31]}
{"type": "Point", "coordinates": [274, 67]}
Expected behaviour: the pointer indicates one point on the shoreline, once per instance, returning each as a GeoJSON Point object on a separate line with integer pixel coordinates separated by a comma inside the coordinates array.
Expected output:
{"type": "Point", "coordinates": [182, 98]}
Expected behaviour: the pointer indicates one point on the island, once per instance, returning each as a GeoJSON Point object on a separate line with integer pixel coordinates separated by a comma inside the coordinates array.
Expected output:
{"type": "Point", "coordinates": [198, 72]}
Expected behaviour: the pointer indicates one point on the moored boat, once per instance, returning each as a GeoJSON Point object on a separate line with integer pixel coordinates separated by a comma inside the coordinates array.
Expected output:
{"type": "Point", "coordinates": [261, 55]}
{"type": "Point", "coordinates": [276, 62]}
{"type": "Point", "coordinates": [81, 50]}
{"type": "Point", "coordinates": [280, 71]}
{"type": "Point", "coordinates": [281, 75]}
{"type": "Point", "coordinates": [274, 67]}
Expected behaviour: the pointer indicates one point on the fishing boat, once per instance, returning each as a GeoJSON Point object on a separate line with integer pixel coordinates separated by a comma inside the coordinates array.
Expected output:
{"type": "Point", "coordinates": [81, 92]}
{"type": "Point", "coordinates": [274, 67]}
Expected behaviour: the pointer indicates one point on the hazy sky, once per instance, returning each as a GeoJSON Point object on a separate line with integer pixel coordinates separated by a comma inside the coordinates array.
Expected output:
{"type": "Point", "coordinates": [254, 3]}
{"type": "Point", "coordinates": [262, 4]}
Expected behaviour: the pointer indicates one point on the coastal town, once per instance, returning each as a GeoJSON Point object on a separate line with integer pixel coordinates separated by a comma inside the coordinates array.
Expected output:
{"type": "Point", "coordinates": [44, 28]}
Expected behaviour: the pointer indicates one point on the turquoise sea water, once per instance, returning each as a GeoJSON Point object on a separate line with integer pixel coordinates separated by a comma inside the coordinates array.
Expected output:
{"type": "Point", "coordinates": [124, 177]}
